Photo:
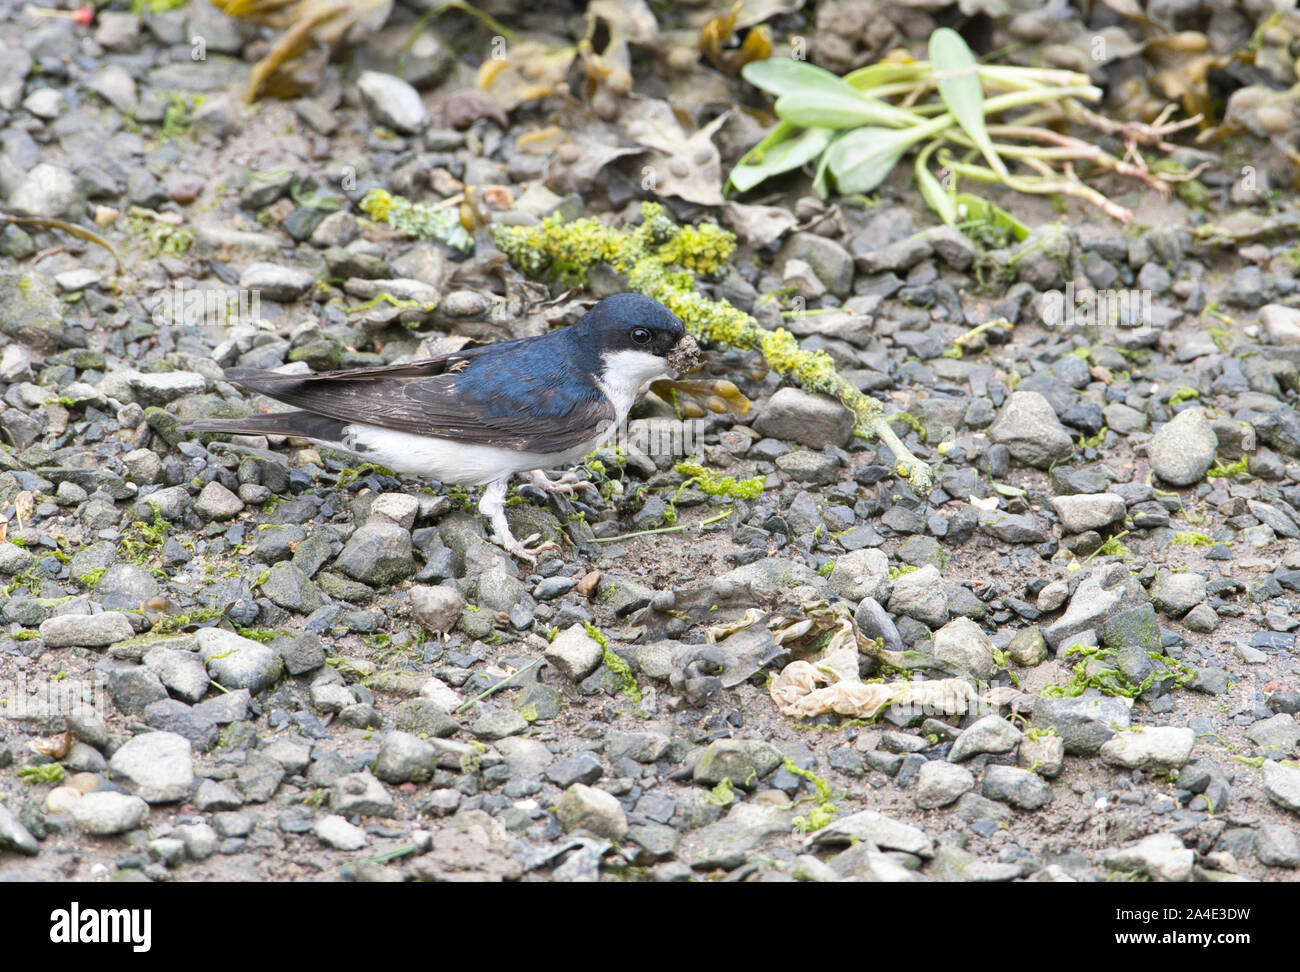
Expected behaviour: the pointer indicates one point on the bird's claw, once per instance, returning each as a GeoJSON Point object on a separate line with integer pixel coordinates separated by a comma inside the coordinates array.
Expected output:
{"type": "Point", "coordinates": [522, 551]}
{"type": "Point", "coordinates": [566, 485]}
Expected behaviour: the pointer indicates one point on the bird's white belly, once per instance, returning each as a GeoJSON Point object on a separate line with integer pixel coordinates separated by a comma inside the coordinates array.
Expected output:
{"type": "Point", "coordinates": [456, 463]}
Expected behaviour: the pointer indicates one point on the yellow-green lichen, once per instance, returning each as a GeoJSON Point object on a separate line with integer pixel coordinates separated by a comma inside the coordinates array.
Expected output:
{"type": "Point", "coordinates": [621, 669]}
{"type": "Point", "coordinates": [384, 297]}
{"type": "Point", "coordinates": [176, 116]}
{"type": "Point", "coordinates": [263, 635]}
{"type": "Point", "coordinates": [722, 795]}
{"type": "Point", "coordinates": [418, 219]}
{"type": "Point", "coordinates": [168, 623]}
{"type": "Point", "coordinates": [824, 811]}
{"type": "Point", "coordinates": [351, 474]}
{"type": "Point", "coordinates": [711, 484]}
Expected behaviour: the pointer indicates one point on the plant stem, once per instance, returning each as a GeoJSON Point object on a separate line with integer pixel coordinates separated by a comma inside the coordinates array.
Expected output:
{"type": "Point", "coordinates": [640, 533]}
{"type": "Point", "coordinates": [498, 686]}
{"type": "Point", "coordinates": [1050, 184]}
{"type": "Point", "coordinates": [1118, 536]}
{"type": "Point", "coordinates": [668, 529]}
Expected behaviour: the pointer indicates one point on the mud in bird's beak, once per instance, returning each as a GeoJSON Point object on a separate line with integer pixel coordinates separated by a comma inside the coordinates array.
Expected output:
{"type": "Point", "coordinates": [685, 356]}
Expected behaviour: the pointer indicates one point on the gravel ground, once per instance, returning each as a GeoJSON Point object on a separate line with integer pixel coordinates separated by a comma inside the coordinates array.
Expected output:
{"type": "Point", "coordinates": [259, 660]}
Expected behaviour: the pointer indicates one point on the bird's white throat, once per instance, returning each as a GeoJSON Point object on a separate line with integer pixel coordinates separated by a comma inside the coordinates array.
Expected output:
{"type": "Point", "coordinates": [625, 372]}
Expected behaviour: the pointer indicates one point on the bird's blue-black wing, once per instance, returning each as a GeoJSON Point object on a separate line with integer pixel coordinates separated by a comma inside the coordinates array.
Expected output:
{"type": "Point", "coordinates": [531, 402]}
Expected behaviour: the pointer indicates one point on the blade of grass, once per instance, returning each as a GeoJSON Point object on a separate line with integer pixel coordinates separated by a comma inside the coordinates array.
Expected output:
{"type": "Point", "coordinates": [974, 210]}
{"type": "Point", "coordinates": [821, 180]}
{"type": "Point", "coordinates": [639, 533]}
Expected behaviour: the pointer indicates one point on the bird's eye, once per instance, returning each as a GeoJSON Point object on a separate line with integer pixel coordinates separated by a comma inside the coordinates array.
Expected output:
{"type": "Point", "coordinates": [641, 335]}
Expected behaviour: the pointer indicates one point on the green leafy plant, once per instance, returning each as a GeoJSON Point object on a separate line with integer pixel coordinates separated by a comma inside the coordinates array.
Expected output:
{"type": "Point", "coordinates": [1113, 547]}
{"type": "Point", "coordinates": [1092, 441]}
{"type": "Point", "coordinates": [45, 773]}
{"type": "Point", "coordinates": [1094, 670]}
{"type": "Point", "coordinates": [418, 219]}
{"type": "Point", "coordinates": [856, 134]}
{"type": "Point", "coordinates": [1229, 470]}
{"type": "Point", "coordinates": [1003, 661]}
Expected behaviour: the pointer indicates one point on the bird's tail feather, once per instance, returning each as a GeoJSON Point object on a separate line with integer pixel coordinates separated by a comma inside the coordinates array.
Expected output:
{"type": "Point", "coordinates": [306, 425]}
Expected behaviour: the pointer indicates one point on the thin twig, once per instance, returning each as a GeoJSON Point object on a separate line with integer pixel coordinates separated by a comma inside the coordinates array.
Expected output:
{"type": "Point", "coordinates": [906, 465]}
{"type": "Point", "coordinates": [977, 330]}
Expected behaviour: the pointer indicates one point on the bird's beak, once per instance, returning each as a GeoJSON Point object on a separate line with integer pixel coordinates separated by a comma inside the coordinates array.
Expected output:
{"type": "Point", "coordinates": [685, 356]}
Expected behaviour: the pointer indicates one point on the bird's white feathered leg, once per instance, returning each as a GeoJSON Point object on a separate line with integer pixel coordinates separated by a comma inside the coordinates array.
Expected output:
{"type": "Point", "coordinates": [493, 506]}
{"type": "Point", "coordinates": [565, 485]}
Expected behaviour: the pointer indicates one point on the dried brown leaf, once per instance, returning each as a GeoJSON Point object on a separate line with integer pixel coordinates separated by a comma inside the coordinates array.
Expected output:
{"type": "Point", "coordinates": [759, 226]}
{"type": "Point", "coordinates": [830, 683]}
{"type": "Point", "coordinates": [24, 506]}
{"type": "Point", "coordinates": [529, 71]}
{"type": "Point", "coordinates": [311, 27]}
{"type": "Point", "coordinates": [716, 34]}
{"type": "Point", "coordinates": [688, 167]}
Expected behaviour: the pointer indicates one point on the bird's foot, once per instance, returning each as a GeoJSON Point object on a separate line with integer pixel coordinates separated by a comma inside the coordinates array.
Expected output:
{"type": "Point", "coordinates": [565, 485]}
{"type": "Point", "coordinates": [521, 550]}
{"type": "Point", "coordinates": [493, 506]}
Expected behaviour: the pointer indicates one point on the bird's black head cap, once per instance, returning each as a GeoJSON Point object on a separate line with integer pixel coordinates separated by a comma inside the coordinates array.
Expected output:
{"type": "Point", "coordinates": [631, 322]}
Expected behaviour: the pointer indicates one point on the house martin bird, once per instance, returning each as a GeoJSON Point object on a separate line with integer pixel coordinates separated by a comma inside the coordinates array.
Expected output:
{"type": "Point", "coordinates": [481, 415]}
